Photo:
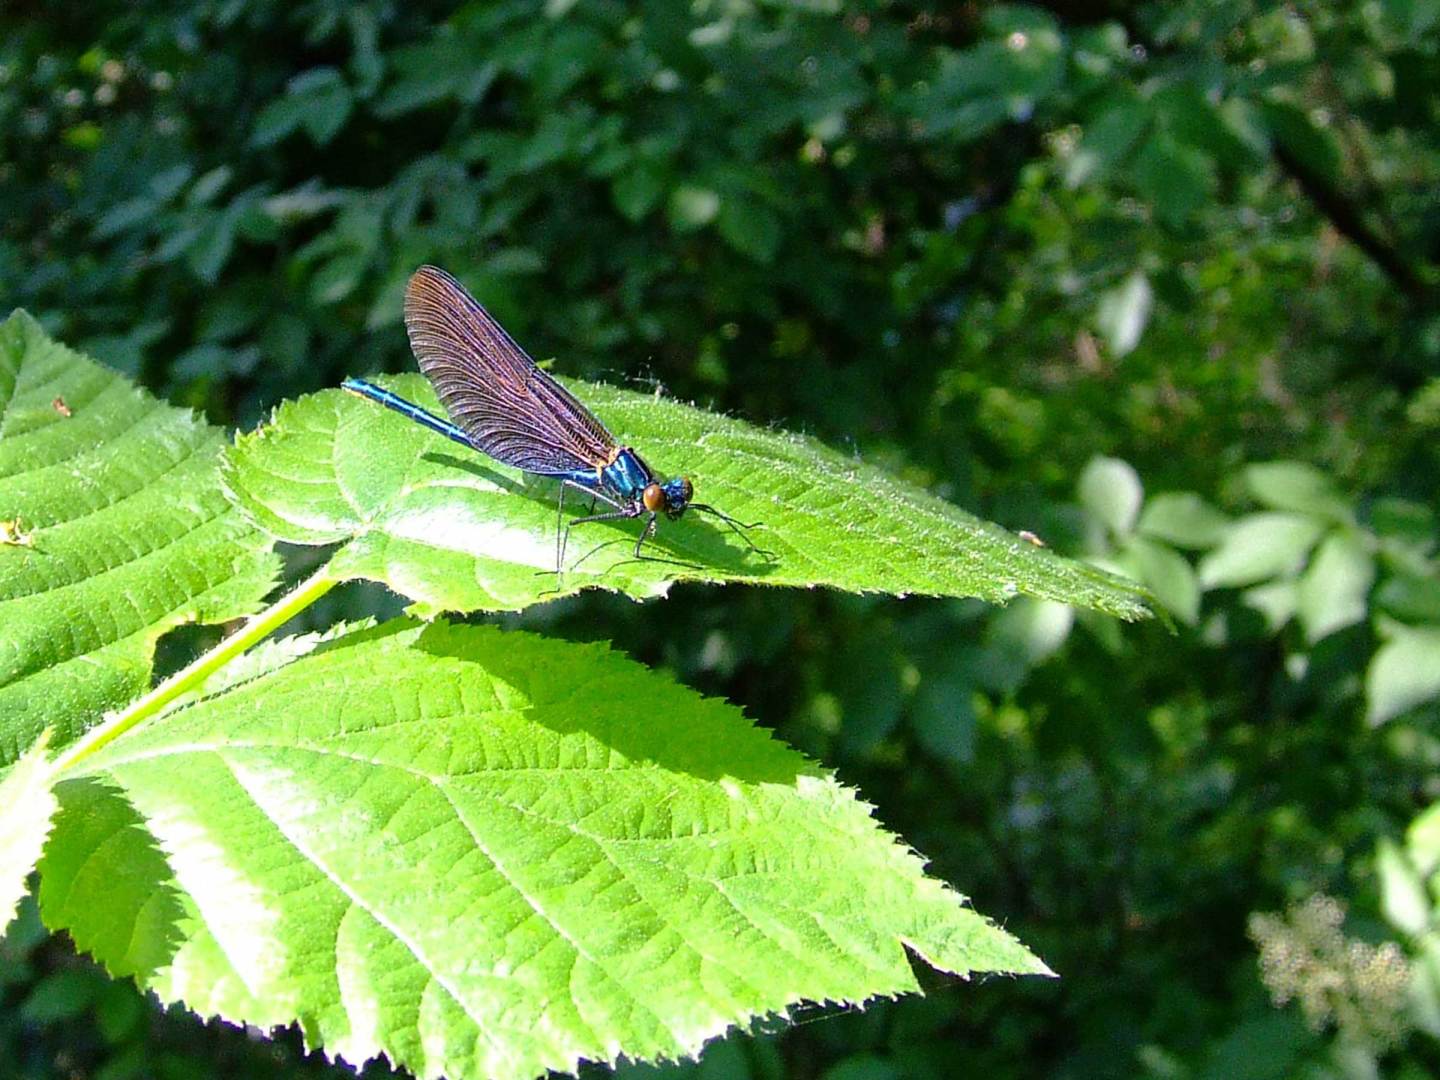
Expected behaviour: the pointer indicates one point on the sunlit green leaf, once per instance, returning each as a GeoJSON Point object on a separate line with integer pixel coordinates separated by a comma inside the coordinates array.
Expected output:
{"type": "Point", "coordinates": [1123, 313]}
{"type": "Point", "coordinates": [487, 854]}
{"type": "Point", "coordinates": [1404, 673]}
{"type": "Point", "coordinates": [127, 535]}
{"type": "Point", "coordinates": [1167, 574]}
{"type": "Point", "coordinates": [27, 803]}
{"type": "Point", "coordinates": [1183, 519]}
{"type": "Point", "coordinates": [455, 530]}
{"type": "Point", "coordinates": [1258, 547]}
{"type": "Point", "coordinates": [1297, 486]}
{"type": "Point", "coordinates": [1402, 893]}
{"type": "Point", "coordinates": [1110, 489]}
{"type": "Point", "coordinates": [1336, 585]}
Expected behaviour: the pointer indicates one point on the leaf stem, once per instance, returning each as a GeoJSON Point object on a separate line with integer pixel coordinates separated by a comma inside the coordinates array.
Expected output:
{"type": "Point", "coordinates": [201, 668]}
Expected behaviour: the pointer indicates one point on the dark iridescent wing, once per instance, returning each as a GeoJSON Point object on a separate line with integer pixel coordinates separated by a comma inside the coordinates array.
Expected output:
{"type": "Point", "coordinates": [511, 409]}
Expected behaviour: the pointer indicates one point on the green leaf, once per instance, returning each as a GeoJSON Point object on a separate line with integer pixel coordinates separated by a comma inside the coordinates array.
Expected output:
{"type": "Point", "coordinates": [638, 189]}
{"type": "Point", "coordinates": [129, 536]}
{"type": "Point", "coordinates": [749, 228]}
{"type": "Point", "coordinates": [1107, 139]}
{"type": "Point", "coordinates": [484, 853]}
{"type": "Point", "coordinates": [1167, 574]}
{"type": "Point", "coordinates": [446, 66]}
{"type": "Point", "coordinates": [1315, 148]}
{"type": "Point", "coordinates": [1410, 597]}
{"type": "Point", "coordinates": [1110, 489]}
{"type": "Point", "coordinates": [27, 804]}
{"type": "Point", "coordinates": [1259, 547]}
{"type": "Point", "coordinates": [692, 207]}
{"type": "Point", "coordinates": [1276, 601]}
{"type": "Point", "coordinates": [1032, 630]}
{"type": "Point", "coordinates": [1004, 78]}
{"type": "Point", "coordinates": [1422, 840]}
{"type": "Point", "coordinates": [1404, 672]}
{"type": "Point", "coordinates": [1402, 893]}
{"type": "Point", "coordinates": [1123, 313]}
{"type": "Point", "coordinates": [1297, 486]}
{"type": "Point", "coordinates": [319, 100]}
{"type": "Point", "coordinates": [1335, 588]}
{"type": "Point", "coordinates": [1184, 520]}
{"type": "Point", "coordinates": [455, 530]}
{"type": "Point", "coordinates": [1175, 178]}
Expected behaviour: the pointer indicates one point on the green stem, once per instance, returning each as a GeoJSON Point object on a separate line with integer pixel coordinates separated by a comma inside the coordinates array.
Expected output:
{"type": "Point", "coordinates": [201, 668]}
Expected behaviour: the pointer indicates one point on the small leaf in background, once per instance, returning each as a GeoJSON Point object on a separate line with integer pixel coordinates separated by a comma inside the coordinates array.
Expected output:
{"type": "Point", "coordinates": [132, 537]}
{"type": "Point", "coordinates": [1004, 77]}
{"type": "Point", "coordinates": [638, 189]}
{"type": "Point", "coordinates": [446, 66]}
{"type": "Point", "coordinates": [1410, 597]}
{"type": "Point", "coordinates": [1175, 178]}
{"type": "Point", "coordinates": [1422, 840]}
{"type": "Point", "coordinates": [456, 531]}
{"type": "Point", "coordinates": [942, 716]}
{"type": "Point", "coordinates": [1297, 486]}
{"type": "Point", "coordinates": [62, 995]}
{"type": "Point", "coordinates": [1167, 574]}
{"type": "Point", "coordinates": [1402, 894]}
{"type": "Point", "coordinates": [1335, 587]}
{"type": "Point", "coordinates": [319, 100]}
{"type": "Point", "coordinates": [1184, 520]}
{"type": "Point", "coordinates": [1032, 630]}
{"type": "Point", "coordinates": [1404, 673]}
{"type": "Point", "coordinates": [1276, 601]}
{"type": "Point", "coordinates": [692, 207]}
{"type": "Point", "coordinates": [1107, 140]}
{"type": "Point", "coordinates": [750, 228]}
{"type": "Point", "coordinates": [27, 804]}
{"type": "Point", "coordinates": [1315, 149]}
{"type": "Point", "coordinates": [1123, 313]}
{"type": "Point", "coordinates": [1258, 547]}
{"type": "Point", "coordinates": [419, 832]}
{"type": "Point", "coordinates": [1110, 490]}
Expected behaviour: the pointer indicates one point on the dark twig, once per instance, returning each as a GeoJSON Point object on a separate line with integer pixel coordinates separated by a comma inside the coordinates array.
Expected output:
{"type": "Point", "coordinates": [1348, 222]}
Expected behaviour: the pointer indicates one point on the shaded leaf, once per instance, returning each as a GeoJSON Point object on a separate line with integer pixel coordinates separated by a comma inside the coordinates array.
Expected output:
{"type": "Point", "coordinates": [1174, 177]}
{"type": "Point", "coordinates": [1107, 140]}
{"type": "Point", "coordinates": [318, 100]}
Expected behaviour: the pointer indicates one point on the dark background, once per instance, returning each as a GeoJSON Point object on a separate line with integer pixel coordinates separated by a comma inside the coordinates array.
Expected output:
{"type": "Point", "coordinates": [977, 245]}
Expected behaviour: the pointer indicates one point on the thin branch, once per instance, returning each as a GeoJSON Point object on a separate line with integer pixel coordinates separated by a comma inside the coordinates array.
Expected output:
{"type": "Point", "coordinates": [1348, 222]}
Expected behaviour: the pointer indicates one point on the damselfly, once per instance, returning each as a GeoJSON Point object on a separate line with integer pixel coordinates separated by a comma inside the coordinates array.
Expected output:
{"type": "Point", "coordinates": [503, 405]}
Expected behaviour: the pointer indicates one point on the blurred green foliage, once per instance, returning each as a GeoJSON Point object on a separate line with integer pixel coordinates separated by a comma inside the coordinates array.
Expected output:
{"type": "Point", "coordinates": [1153, 281]}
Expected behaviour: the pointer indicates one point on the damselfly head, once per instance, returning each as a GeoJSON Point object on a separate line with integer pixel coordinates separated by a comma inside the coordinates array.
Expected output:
{"type": "Point", "coordinates": [678, 493]}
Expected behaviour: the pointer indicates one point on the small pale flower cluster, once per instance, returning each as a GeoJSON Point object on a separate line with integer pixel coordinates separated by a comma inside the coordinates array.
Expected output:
{"type": "Point", "coordinates": [1360, 988]}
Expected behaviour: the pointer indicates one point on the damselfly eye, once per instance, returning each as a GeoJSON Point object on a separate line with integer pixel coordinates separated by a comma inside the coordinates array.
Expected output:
{"type": "Point", "coordinates": [653, 497]}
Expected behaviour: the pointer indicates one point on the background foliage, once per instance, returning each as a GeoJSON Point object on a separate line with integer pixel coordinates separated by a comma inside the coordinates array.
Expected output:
{"type": "Point", "coordinates": [1153, 281]}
